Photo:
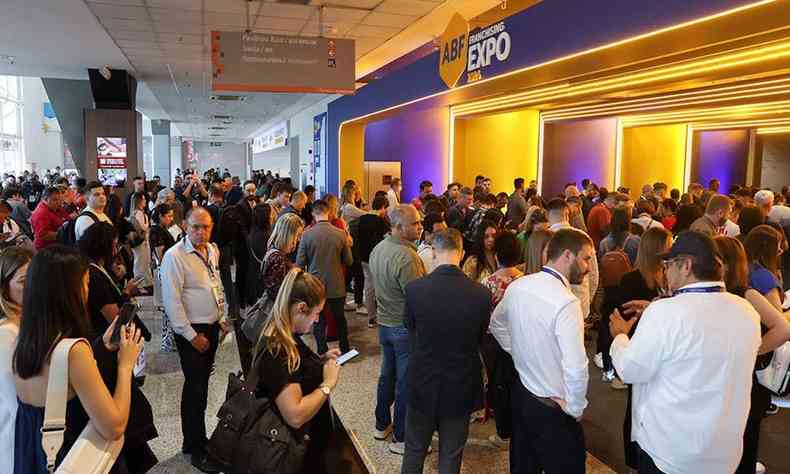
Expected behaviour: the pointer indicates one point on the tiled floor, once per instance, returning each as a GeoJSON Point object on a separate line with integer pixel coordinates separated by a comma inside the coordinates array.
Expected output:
{"type": "Point", "coordinates": [354, 401]}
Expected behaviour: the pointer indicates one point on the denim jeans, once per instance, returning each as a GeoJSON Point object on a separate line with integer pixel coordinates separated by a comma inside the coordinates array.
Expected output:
{"type": "Point", "coordinates": [392, 381]}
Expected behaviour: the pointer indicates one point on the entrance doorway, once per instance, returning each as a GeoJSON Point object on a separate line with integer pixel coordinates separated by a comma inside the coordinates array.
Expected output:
{"type": "Point", "coordinates": [379, 175]}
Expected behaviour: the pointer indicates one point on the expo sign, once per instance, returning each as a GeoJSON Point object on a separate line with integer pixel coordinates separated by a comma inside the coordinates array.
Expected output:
{"type": "Point", "coordinates": [461, 52]}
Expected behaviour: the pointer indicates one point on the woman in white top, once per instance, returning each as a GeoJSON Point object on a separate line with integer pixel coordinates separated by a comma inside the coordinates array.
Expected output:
{"type": "Point", "coordinates": [13, 270]}
{"type": "Point", "coordinates": [142, 252]}
{"type": "Point", "coordinates": [349, 211]}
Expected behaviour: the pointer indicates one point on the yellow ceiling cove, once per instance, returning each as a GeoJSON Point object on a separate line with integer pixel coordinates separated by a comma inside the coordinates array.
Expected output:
{"type": "Point", "coordinates": [452, 56]}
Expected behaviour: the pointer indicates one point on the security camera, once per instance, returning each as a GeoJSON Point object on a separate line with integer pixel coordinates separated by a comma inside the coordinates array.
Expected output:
{"type": "Point", "coordinates": [105, 72]}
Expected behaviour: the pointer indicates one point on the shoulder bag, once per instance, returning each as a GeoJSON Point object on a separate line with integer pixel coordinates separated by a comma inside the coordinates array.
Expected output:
{"type": "Point", "coordinates": [91, 453]}
{"type": "Point", "coordinates": [776, 375]}
{"type": "Point", "coordinates": [257, 313]}
{"type": "Point", "coordinates": [251, 436]}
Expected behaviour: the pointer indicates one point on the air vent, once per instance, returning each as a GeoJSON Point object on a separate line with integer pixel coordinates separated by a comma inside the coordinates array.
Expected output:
{"type": "Point", "coordinates": [218, 128]}
{"type": "Point", "coordinates": [229, 98]}
{"type": "Point", "coordinates": [215, 134]}
{"type": "Point", "coordinates": [215, 144]}
{"type": "Point", "coordinates": [221, 117]}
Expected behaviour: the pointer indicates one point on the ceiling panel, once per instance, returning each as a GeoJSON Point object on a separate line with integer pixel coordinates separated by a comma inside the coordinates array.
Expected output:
{"type": "Point", "coordinates": [126, 25]}
{"type": "Point", "coordinates": [172, 16]}
{"type": "Point", "coordinates": [285, 11]}
{"type": "Point", "coordinates": [344, 14]}
{"type": "Point", "coordinates": [373, 31]}
{"type": "Point", "coordinates": [183, 38]}
{"type": "Point", "coordinates": [119, 11]}
{"type": "Point", "coordinates": [388, 20]}
{"type": "Point", "coordinates": [331, 29]}
{"type": "Point", "coordinates": [407, 7]}
{"type": "Point", "coordinates": [275, 23]}
{"type": "Point", "coordinates": [226, 19]}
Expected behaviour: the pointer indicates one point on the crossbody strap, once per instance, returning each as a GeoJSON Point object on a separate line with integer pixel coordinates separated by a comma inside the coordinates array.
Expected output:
{"type": "Point", "coordinates": [54, 425]}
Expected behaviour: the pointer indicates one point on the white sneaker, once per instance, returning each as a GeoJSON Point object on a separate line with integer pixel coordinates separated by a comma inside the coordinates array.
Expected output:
{"type": "Point", "coordinates": [760, 468]}
{"type": "Point", "coordinates": [498, 442]}
{"type": "Point", "coordinates": [608, 376]}
{"type": "Point", "coordinates": [598, 360]}
{"type": "Point", "coordinates": [398, 447]}
{"type": "Point", "coordinates": [361, 309]}
{"type": "Point", "coordinates": [381, 435]}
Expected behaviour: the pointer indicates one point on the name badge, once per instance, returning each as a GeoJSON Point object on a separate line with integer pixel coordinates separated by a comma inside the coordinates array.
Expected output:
{"type": "Point", "coordinates": [219, 297]}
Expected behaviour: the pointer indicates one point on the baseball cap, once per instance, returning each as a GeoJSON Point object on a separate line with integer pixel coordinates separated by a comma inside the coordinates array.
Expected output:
{"type": "Point", "coordinates": [693, 243]}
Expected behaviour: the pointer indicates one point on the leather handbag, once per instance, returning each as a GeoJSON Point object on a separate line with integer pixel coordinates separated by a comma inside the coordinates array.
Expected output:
{"type": "Point", "coordinates": [251, 436]}
{"type": "Point", "coordinates": [91, 453]}
{"type": "Point", "coordinates": [260, 311]}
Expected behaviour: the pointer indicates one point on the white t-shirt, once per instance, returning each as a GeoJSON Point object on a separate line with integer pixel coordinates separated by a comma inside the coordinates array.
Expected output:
{"type": "Point", "coordinates": [8, 403]}
{"type": "Point", "coordinates": [83, 222]}
{"type": "Point", "coordinates": [779, 214]}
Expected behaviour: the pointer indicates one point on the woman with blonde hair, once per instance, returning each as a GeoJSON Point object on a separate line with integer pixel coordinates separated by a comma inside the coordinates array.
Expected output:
{"type": "Point", "coordinates": [13, 270]}
{"type": "Point", "coordinates": [349, 210]}
{"type": "Point", "coordinates": [283, 241]}
{"type": "Point", "coordinates": [637, 288]}
{"type": "Point", "coordinates": [293, 376]}
{"type": "Point", "coordinates": [775, 332]}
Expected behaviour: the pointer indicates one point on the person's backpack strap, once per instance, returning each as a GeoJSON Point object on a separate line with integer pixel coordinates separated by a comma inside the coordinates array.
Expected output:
{"type": "Point", "coordinates": [54, 425]}
{"type": "Point", "coordinates": [89, 214]}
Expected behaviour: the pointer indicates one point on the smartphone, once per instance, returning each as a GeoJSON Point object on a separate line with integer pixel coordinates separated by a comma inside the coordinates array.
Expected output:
{"type": "Point", "coordinates": [347, 356]}
{"type": "Point", "coordinates": [128, 311]}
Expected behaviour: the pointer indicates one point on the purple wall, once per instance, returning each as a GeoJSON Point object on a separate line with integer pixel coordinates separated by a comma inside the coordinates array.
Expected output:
{"type": "Point", "coordinates": [575, 150]}
{"type": "Point", "coordinates": [720, 154]}
{"type": "Point", "coordinates": [419, 141]}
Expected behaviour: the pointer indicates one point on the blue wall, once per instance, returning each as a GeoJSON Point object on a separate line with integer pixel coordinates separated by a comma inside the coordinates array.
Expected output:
{"type": "Point", "coordinates": [551, 28]}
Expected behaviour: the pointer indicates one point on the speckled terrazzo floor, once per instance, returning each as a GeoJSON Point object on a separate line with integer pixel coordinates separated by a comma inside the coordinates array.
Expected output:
{"type": "Point", "coordinates": [354, 401]}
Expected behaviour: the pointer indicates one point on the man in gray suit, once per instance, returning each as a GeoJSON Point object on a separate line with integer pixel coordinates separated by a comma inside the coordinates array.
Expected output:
{"type": "Point", "coordinates": [323, 252]}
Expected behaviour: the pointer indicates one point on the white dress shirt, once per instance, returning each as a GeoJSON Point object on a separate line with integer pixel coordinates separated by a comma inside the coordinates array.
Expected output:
{"type": "Point", "coordinates": [425, 251]}
{"type": "Point", "coordinates": [187, 287]}
{"type": "Point", "coordinates": [540, 323]}
{"type": "Point", "coordinates": [647, 222]}
{"type": "Point", "coordinates": [586, 290]}
{"type": "Point", "coordinates": [779, 214]}
{"type": "Point", "coordinates": [392, 198]}
{"type": "Point", "coordinates": [690, 362]}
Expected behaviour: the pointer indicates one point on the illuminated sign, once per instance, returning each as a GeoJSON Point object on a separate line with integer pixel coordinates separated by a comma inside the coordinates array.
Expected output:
{"type": "Point", "coordinates": [275, 138]}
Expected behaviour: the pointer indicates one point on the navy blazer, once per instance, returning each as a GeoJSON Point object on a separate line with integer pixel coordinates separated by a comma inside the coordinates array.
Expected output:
{"type": "Point", "coordinates": [447, 315]}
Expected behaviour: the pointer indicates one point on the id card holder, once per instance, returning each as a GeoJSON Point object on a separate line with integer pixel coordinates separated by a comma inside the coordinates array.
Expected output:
{"type": "Point", "coordinates": [219, 297]}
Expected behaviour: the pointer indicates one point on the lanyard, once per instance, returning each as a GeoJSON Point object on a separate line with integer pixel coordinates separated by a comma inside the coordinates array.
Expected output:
{"type": "Point", "coordinates": [554, 274]}
{"type": "Point", "coordinates": [701, 289]}
{"type": "Point", "coordinates": [205, 261]}
{"type": "Point", "coordinates": [109, 278]}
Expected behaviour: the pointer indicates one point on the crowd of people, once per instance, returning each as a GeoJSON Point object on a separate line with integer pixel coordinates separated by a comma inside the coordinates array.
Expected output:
{"type": "Point", "coordinates": [481, 302]}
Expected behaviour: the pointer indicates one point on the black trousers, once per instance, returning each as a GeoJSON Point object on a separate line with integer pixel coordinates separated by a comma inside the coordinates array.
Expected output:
{"type": "Point", "coordinates": [453, 432]}
{"type": "Point", "coordinates": [647, 466]}
{"type": "Point", "coordinates": [545, 439]}
{"type": "Point", "coordinates": [196, 367]}
{"type": "Point", "coordinates": [244, 345]}
{"type": "Point", "coordinates": [359, 282]}
{"type": "Point", "coordinates": [336, 306]}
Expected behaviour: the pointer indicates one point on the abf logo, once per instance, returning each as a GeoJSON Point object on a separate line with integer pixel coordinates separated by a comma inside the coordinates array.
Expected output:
{"type": "Point", "coordinates": [452, 57]}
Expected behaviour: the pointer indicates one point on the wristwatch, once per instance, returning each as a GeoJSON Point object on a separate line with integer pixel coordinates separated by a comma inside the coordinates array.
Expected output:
{"type": "Point", "coordinates": [326, 389]}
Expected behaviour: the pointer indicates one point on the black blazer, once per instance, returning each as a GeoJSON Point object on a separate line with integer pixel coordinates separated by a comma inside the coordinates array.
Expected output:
{"type": "Point", "coordinates": [447, 315]}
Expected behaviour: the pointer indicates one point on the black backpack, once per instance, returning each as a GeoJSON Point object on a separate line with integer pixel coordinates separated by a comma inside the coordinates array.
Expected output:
{"type": "Point", "coordinates": [67, 234]}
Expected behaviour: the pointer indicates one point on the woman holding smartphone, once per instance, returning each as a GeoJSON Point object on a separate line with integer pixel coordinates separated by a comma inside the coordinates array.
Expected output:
{"type": "Point", "coordinates": [295, 377]}
{"type": "Point", "coordinates": [53, 308]}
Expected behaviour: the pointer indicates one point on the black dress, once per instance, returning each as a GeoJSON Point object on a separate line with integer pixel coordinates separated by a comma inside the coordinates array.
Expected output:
{"type": "Point", "coordinates": [273, 378]}
{"type": "Point", "coordinates": [632, 287]}
{"type": "Point", "coordinates": [136, 456]}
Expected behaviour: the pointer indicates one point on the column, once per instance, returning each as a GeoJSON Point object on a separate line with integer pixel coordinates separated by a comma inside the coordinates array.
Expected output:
{"type": "Point", "coordinates": [160, 129]}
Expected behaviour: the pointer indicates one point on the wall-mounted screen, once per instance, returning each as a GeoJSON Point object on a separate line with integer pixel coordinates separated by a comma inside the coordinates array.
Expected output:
{"type": "Point", "coordinates": [111, 160]}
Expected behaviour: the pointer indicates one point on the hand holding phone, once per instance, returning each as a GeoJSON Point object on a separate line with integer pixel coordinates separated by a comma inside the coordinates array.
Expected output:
{"type": "Point", "coordinates": [347, 356]}
{"type": "Point", "coordinates": [127, 313]}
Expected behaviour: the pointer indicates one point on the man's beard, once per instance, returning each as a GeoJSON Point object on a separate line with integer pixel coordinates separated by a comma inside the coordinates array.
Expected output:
{"type": "Point", "coordinates": [576, 276]}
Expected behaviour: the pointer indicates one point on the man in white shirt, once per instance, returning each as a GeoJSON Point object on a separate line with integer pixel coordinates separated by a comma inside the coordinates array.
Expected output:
{"type": "Point", "coordinates": [432, 224]}
{"type": "Point", "coordinates": [558, 215]}
{"type": "Point", "coordinates": [690, 364]}
{"type": "Point", "coordinates": [96, 200]}
{"type": "Point", "coordinates": [393, 193]}
{"type": "Point", "coordinates": [194, 301]}
{"type": "Point", "coordinates": [540, 323]}
{"type": "Point", "coordinates": [779, 212]}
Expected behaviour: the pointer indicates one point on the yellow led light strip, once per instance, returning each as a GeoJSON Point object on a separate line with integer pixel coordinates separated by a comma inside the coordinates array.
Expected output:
{"type": "Point", "coordinates": [710, 114]}
{"type": "Point", "coordinates": [773, 130]}
{"type": "Point", "coordinates": [679, 97]}
{"type": "Point", "coordinates": [741, 124]}
{"type": "Point", "coordinates": [725, 61]}
{"type": "Point", "coordinates": [570, 56]}
{"type": "Point", "coordinates": [658, 103]}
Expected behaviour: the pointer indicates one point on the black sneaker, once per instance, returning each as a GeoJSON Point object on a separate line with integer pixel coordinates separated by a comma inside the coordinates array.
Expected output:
{"type": "Point", "coordinates": [204, 463]}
